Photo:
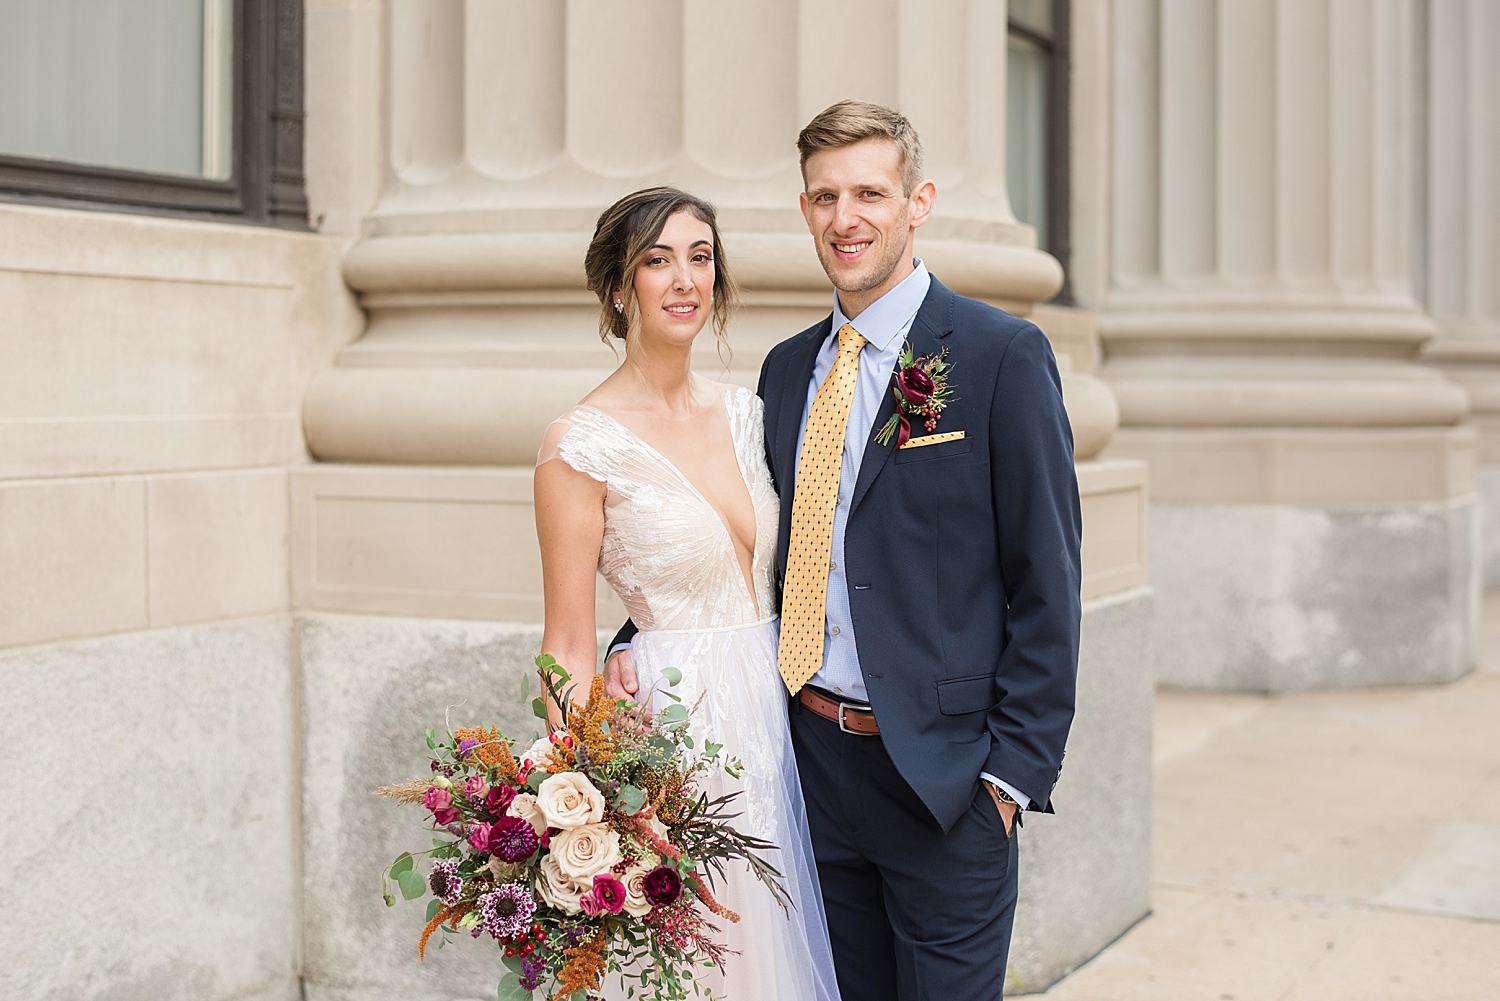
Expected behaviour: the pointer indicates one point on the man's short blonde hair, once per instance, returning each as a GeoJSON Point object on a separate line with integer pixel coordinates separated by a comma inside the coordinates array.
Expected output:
{"type": "Point", "coordinates": [850, 122]}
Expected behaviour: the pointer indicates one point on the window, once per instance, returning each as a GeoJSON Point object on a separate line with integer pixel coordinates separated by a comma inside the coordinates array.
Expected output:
{"type": "Point", "coordinates": [1036, 122]}
{"type": "Point", "coordinates": [178, 106]}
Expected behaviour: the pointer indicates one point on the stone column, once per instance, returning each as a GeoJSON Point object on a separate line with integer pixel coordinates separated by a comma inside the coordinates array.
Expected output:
{"type": "Point", "coordinates": [1313, 490]}
{"type": "Point", "coordinates": [1462, 267]}
{"type": "Point", "coordinates": [512, 125]}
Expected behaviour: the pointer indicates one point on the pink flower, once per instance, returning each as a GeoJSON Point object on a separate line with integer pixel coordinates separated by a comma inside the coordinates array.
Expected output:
{"type": "Point", "coordinates": [610, 892]}
{"type": "Point", "coordinates": [499, 799]}
{"type": "Point", "coordinates": [475, 785]}
{"type": "Point", "coordinates": [440, 802]}
{"type": "Point", "coordinates": [589, 903]}
{"type": "Point", "coordinates": [479, 837]}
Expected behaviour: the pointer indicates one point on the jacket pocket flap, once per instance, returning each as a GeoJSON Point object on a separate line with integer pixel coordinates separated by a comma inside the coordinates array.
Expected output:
{"type": "Point", "coordinates": [966, 695]}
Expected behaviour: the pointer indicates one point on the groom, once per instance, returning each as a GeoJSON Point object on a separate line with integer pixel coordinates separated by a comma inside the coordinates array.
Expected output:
{"type": "Point", "coordinates": [929, 579]}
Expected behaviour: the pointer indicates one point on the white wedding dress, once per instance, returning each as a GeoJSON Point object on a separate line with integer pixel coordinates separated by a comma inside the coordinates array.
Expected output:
{"type": "Point", "coordinates": [670, 558]}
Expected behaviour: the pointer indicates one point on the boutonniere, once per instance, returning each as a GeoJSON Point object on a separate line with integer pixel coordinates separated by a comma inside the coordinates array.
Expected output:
{"type": "Point", "coordinates": [921, 388]}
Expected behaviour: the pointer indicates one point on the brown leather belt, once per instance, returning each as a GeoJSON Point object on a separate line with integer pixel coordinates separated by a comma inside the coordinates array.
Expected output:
{"type": "Point", "coordinates": [850, 716]}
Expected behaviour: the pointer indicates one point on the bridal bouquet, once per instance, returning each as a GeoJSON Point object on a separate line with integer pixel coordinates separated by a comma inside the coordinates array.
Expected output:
{"type": "Point", "coordinates": [589, 852]}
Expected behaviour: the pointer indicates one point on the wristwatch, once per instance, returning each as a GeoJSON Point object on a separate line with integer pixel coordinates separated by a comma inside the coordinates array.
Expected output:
{"type": "Point", "coordinates": [1001, 794]}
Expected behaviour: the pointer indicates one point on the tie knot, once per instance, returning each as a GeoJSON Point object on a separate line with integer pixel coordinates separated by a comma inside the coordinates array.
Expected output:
{"type": "Point", "coordinates": [850, 339]}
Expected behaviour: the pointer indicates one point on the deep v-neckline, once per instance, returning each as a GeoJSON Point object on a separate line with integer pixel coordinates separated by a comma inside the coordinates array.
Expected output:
{"type": "Point", "coordinates": [739, 462]}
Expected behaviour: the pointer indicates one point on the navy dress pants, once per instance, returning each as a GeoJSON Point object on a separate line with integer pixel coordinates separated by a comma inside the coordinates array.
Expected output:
{"type": "Point", "coordinates": [913, 914]}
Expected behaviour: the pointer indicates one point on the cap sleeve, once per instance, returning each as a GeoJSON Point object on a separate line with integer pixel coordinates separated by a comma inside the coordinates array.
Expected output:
{"type": "Point", "coordinates": [568, 439]}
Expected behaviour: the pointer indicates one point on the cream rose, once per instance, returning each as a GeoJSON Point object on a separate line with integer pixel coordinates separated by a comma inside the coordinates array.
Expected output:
{"type": "Point", "coordinates": [536, 755]}
{"type": "Point", "coordinates": [570, 800]}
{"type": "Point", "coordinates": [584, 852]}
{"type": "Point", "coordinates": [557, 889]}
{"type": "Point", "coordinates": [524, 806]}
{"type": "Point", "coordinates": [636, 904]}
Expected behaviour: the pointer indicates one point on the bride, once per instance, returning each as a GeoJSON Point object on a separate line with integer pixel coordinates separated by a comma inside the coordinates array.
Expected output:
{"type": "Point", "coordinates": [658, 481]}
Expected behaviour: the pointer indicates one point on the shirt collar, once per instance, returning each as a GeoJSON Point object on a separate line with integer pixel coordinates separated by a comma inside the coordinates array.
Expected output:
{"type": "Point", "coordinates": [885, 318]}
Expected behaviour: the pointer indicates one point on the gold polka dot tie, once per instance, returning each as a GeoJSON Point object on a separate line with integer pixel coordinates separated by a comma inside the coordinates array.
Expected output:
{"type": "Point", "coordinates": [804, 600]}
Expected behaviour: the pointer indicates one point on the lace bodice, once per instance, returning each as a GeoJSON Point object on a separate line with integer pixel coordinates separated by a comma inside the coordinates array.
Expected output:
{"type": "Point", "coordinates": [666, 552]}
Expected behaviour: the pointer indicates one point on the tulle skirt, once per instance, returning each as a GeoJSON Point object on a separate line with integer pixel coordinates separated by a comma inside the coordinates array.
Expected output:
{"type": "Point", "coordinates": [776, 956]}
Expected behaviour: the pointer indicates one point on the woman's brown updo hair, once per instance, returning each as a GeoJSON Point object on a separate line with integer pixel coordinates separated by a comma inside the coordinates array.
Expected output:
{"type": "Point", "coordinates": [626, 232]}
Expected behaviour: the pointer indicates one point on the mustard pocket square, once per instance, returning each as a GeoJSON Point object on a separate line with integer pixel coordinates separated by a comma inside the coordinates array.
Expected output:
{"type": "Point", "coordinates": [932, 439]}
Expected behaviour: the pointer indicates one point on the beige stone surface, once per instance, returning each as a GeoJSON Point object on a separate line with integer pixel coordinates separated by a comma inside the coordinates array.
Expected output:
{"type": "Point", "coordinates": [72, 558]}
{"type": "Point", "coordinates": [1113, 498]}
{"type": "Point", "coordinates": [136, 344]}
{"type": "Point", "coordinates": [443, 542]}
{"type": "Point", "coordinates": [1320, 847]}
{"type": "Point", "coordinates": [218, 545]}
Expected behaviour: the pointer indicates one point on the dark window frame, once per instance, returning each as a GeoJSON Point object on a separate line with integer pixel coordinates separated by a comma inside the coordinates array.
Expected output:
{"type": "Point", "coordinates": [1059, 167]}
{"type": "Point", "coordinates": [266, 184]}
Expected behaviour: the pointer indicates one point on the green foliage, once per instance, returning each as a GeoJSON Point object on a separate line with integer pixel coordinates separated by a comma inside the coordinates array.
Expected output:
{"type": "Point", "coordinates": [631, 799]}
{"type": "Point", "coordinates": [412, 884]}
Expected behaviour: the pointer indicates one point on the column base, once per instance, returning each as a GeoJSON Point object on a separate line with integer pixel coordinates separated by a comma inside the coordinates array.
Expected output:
{"type": "Point", "coordinates": [1086, 872]}
{"type": "Point", "coordinates": [1284, 597]}
{"type": "Point", "coordinates": [1489, 531]}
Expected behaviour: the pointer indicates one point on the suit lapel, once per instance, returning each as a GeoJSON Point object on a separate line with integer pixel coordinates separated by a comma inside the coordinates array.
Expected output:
{"type": "Point", "coordinates": [933, 322]}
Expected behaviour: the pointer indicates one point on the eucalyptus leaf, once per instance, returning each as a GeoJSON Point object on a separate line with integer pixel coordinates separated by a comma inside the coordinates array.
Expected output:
{"type": "Point", "coordinates": [632, 799]}
{"type": "Point", "coordinates": [673, 676]}
{"type": "Point", "coordinates": [538, 708]}
{"type": "Point", "coordinates": [535, 779]}
{"type": "Point", "coordinates": [412, 885]}
{"type": "Point", "coordinates": [432, 907]}
{"type": "Point", "coordinates": [390, 898]}
{"type": "Point", "coordinates": [402, 864]}
{"type": "Point", "coordinates": [672, 714]}
{"type": "Point", "coordinates": [510, 989]}
{"type": "Point", "coordinates": [688, 741]}
{"type": "Point", "coordinates": [512, 963]}
{"type": "Point", "coordinates": [711, 750]}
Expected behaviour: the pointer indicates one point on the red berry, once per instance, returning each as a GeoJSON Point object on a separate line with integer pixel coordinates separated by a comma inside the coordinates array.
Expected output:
{"type": "Point", "coordinates": [510, 951]}
{"type": "Point", "coordinates": [527, 949]}
{"type": "Point", "coordinates": [539, 934]}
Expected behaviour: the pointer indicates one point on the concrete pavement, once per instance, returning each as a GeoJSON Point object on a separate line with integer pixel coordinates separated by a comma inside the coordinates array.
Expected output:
{"type": "Point", "coordinates": [1320, 847]}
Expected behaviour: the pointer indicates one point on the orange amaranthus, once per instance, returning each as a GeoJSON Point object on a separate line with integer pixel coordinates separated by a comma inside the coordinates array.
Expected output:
{"type": "Point", "coordinates": [583, 968]}
{"type": "Point", "coordinates": [586, 724]}
{"type": "Point", "coordinates": [447, 916]}
{"type": "Point", "coordinates": [492, 750]}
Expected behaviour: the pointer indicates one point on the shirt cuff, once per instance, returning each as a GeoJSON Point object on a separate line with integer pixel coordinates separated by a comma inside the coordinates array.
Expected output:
{"type": "Point", "coordinates": [616, 649]}
{"type": "Point", "coordinates": [1022, 800]}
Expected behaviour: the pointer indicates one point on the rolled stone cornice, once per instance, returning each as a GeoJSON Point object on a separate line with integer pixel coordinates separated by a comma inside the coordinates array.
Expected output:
{"type": "Point", "coordinates": [448, 262]}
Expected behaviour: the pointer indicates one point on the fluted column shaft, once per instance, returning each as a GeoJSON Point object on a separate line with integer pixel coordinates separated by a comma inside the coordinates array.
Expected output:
{"type": "Point", "coordinates": [510, 126]}
{"type": "Point", "coordinates": [1260, 270]}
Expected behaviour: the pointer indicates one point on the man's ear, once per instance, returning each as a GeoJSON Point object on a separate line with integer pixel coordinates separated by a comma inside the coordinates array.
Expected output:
{"type": "Point", "coordinates": [922, 199]}
{"type": "Point", "coordinates": [803, 204]}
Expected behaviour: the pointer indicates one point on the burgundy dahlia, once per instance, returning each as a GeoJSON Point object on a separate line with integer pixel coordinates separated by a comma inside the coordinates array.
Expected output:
{"type": "Point", "coordinates": [662, 886]}
{"type": "Point", "coordinates": [512, 839]}
{"type": "Point", "coordinates": [447, 885]}
{"type": "Point", "coordinates": [506, 911]}
{"type": "Point", "coordinates": [916, 386]}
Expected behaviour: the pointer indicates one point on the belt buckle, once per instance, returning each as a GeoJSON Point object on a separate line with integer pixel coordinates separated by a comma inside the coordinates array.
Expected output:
{"type": "Point", "coordinates": [843, 707]}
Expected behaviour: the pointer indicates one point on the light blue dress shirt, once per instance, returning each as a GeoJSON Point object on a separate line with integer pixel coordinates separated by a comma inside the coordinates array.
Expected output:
{"type": "Point", "coordinates": [884, 325]}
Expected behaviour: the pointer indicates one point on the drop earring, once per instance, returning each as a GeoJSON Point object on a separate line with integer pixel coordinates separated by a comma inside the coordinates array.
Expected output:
{"type": "Point", "coordinates": [619, 306]}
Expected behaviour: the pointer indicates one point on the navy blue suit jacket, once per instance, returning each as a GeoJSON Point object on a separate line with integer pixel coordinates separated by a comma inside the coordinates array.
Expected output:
{"type": "Point", "coordinates": [962, 557]}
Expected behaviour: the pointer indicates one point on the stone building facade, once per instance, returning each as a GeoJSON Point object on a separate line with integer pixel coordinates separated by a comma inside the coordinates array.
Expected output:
{"type": "Point", "coordinates": [265, 483]}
